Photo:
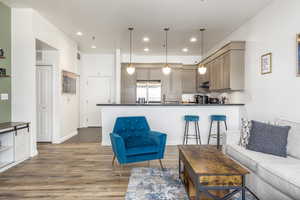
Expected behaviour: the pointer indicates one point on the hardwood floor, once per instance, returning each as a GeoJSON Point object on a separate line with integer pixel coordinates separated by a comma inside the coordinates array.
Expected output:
{"type": "Point", "coordinates": [86, 135]}
{"type": "Point", "coordinates": [71, 172]}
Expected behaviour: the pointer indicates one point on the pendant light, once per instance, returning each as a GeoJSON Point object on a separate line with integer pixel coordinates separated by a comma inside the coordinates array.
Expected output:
{"type": "Point", "coordinates": [130, 69]}
{"type": "Point", "coordinates": [202, 69]}
{"type": "Point", "coordinates": [166, 69]}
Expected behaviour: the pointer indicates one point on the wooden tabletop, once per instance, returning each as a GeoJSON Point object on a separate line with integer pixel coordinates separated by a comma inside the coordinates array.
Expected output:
{"type": "Point", "coordinates": [208, 160]}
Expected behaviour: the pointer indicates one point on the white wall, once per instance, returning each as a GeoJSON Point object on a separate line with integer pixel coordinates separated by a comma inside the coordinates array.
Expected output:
{"type": "Point", "coordinates": [273, 30]}
{"type": "Point", "coordinates": [23, 71]}
{"type": "Point", "coordinates": [95, 65]}
{"type": "Point", "coordinates": [28, 25]}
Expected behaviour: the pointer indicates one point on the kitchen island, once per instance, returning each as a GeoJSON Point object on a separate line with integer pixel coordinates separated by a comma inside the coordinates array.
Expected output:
{"type": "Point", "coordinates": [169, 118]}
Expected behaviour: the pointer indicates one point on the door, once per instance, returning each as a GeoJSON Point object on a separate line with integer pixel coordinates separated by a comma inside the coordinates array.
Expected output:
{"type": "Point", "coordinates": [44, 103]}
{"type": "Point", "coordinates": [98, 92]}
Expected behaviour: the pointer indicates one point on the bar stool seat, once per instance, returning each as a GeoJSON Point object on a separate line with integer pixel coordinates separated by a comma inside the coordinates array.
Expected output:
{"type": "Point", "coordinates": [187, 136]}
{"type": "Point", "coordinates": [191, 118]}
{"type": "Point", "coordinates": [218, 119]}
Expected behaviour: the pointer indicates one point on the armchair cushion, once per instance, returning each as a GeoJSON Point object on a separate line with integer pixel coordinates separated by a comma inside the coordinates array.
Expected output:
{"type": "Point", "coordinates": [142, 150]}
{"type": "Point", "coordinates": [140, 141]}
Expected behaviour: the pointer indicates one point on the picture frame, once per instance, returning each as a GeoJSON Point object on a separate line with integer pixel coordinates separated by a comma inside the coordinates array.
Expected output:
{"type": "Point", "coordinates": [266, 63]}
{"type": "Point", "coordinates": [298, 55]}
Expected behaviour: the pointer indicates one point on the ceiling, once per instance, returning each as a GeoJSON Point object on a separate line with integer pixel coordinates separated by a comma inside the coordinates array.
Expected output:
{"type": "Point", "coordinates": [108, 21]}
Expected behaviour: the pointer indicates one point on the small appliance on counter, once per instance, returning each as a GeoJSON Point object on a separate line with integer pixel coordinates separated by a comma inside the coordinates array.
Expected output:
{"type": "Point", "coordinates": [1, 52]}
{"type": "Point", "coordinates": [2, 72]}
{"type": "Point", "coordinates": [201, 99]}
{"type": "Point", "coordinates": [213, 100]}
{"type": "Point", "coordinates": [141, 100]}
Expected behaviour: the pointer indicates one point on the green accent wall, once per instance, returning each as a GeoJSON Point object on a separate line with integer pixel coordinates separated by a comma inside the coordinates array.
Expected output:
{"type": "Point", "coordinates": [5, 44]}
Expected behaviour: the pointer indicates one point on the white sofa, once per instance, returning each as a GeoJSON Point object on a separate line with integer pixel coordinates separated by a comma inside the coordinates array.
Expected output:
{"type": "Point", "coordinates": [272, 177]}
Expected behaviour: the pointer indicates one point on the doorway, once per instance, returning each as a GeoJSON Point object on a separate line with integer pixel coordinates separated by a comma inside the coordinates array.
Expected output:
{"type": "Point", "coordinates": [44, 84]}
{"type": "Point", "coordinates": [47, 60]}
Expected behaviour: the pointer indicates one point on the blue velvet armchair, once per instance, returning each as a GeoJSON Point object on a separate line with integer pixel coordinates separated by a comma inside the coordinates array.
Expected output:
{"type": "Point", "coordinates": [133, 141]}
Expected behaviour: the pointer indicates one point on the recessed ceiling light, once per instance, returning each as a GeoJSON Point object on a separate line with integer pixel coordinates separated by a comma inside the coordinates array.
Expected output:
{"type": "Point", "coordinates": [185, 49]}
{"type": "Point", "coordinates": [193, 39]}
{"type": "Point", "coordinates": [79, 33]}
{"type": "Point", "coordinates": [93, 47]}
{"type": "Point", "coordinates": [146, 49]}
{"type": "Point", "coordinates": [146, 39]}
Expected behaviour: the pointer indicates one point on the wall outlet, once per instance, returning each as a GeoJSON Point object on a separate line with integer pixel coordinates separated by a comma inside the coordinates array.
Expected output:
{"type": "Point", "coordinates": [3, 97]}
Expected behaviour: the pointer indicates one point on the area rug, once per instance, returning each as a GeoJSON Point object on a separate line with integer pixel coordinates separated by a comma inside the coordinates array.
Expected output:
{"type": "Point", "coordinates": [155, 184]}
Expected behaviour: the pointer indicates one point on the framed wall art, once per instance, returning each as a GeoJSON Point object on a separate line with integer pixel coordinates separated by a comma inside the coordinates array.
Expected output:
{"type": "Point", "coordinates": [266, 63]}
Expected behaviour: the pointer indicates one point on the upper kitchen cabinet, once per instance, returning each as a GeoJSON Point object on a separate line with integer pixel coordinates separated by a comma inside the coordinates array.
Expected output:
{"type": "Point", "coordinates": [189, 79]}
{"type": "Point", "coordinates": [172, 85]}
{"type": "Point", "coordinates": [142, 73]}
{"type": "Point", "coordinates": [128, 86]}
{"type": "Point", "coordinates": [227, 67]}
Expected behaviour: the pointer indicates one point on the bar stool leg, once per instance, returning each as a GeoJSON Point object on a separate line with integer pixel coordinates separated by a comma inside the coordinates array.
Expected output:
{"type": "Point", "coordinates": [184, 135]}
{"type": "Point", "coordinates": [196, 132]}
{"type": "Point", "coordinates": [187, 133]}
{"type": "Point", "coordinates": [211, 123]}
{"type": "Point", "coordinates": [199, 135]}
{"type": "Point", "coordinates": [225, 125]}
{"type": "Point", "coordinates": [218, 135]}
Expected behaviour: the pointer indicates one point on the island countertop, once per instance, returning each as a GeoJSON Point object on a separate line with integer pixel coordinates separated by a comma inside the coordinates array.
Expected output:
{"type": "Point", "coordinates": [179, 104]}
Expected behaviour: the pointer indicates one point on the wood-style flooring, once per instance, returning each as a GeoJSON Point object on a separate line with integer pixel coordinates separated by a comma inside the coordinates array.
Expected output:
{"type": "Point", "coordinates": [86, 135]}
{"type": "Point", "coordinates": [71, 172]}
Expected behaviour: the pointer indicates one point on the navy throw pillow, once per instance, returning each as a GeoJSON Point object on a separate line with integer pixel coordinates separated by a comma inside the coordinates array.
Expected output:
{"type": "Point", "coordinates": [267, 138]}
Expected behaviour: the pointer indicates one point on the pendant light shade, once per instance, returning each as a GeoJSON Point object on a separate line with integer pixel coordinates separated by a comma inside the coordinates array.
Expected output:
{"type": "Point", "coordinates": [166, 69]}
{"type": "Point", "coordinates": [202, 69]}
{"type": "Point", "coordinates": [130, 68]}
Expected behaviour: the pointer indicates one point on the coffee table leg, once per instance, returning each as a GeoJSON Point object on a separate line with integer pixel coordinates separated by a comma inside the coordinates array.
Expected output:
{"type": "Point", "coordinates": [244, 188]}
{"type": "Point", "coordinates": [198, 192]}
{"type": "Point", "coordinates": [179, 168]}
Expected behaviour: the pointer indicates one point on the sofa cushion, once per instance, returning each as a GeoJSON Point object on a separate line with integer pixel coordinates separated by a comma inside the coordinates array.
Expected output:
{"type": "Point", "coordinates": [240, 154]}
{"type": "Point", "coordinates": [267, 138]}
{"type": "Point", "coordinates": [282, 173]}
{"type": "Point", "coordinates": [293, 138]}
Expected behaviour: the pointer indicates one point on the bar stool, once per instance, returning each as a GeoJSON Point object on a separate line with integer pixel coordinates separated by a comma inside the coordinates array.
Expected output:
{"type": "Point", "coordinates": [218, 119]}
{"type": "Point", "coordinates": [186, 137]}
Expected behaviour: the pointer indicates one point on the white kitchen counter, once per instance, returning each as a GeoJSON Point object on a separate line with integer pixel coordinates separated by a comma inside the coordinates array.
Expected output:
{"type": "Point", "coordinates": [169, 118]}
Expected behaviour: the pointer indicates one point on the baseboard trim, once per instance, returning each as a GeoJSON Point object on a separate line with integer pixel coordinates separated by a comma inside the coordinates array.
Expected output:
{"type": "Point", "coordinates": [63, 139]}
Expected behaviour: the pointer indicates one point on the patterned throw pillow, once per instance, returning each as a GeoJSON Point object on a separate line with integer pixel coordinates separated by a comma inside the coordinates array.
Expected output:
{"type": "Point", "coordinates": [245, 132]}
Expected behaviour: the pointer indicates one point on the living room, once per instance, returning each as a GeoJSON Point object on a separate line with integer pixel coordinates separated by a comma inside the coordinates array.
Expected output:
{"type": "Point", "coordinates": [215, 94]}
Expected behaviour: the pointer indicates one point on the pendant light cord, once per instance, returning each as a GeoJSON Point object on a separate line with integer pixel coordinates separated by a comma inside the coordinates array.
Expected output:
{"type": "Point", "coordinates": [202, 41]}
{"type": "Point", "coordinates": [130, 45]}
{"type": "Point", "coordinates": [166, 44]}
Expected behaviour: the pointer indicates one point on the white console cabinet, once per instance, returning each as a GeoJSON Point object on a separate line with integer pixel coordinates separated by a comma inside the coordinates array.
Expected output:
{"type": "Point", "coordinates": [15, 144]}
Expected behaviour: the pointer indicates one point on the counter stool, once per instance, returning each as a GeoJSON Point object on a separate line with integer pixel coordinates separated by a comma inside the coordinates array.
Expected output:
{"type": "Point", "coordinates": [186, 137]}
{"type": "Point", "coordinates": [218, 119]}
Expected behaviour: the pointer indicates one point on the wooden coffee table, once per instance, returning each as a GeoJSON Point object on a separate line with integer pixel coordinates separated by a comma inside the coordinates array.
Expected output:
{"type": "Point", "coordinates": [207, 173]}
